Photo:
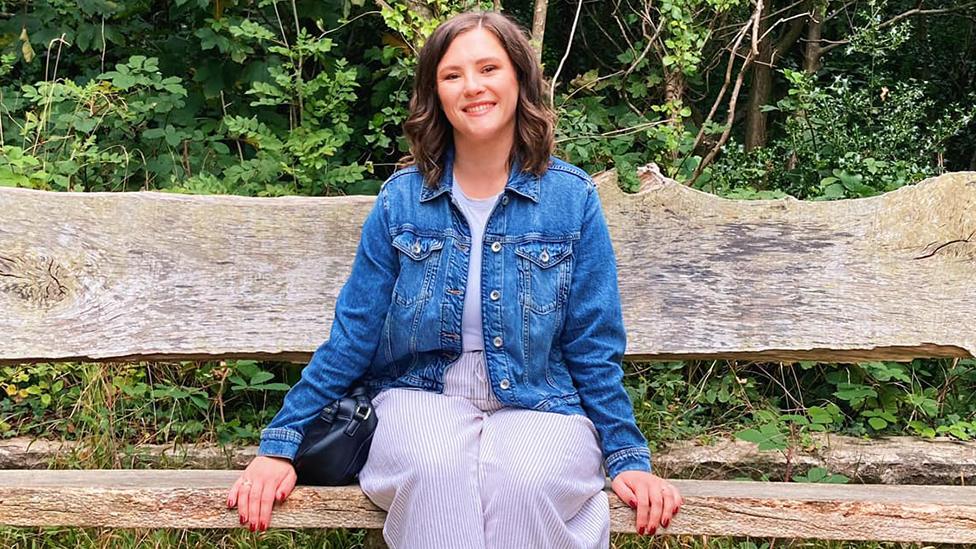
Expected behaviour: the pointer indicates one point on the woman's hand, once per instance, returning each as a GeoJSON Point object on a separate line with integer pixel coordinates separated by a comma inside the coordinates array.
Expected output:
{"type": "Point", "coordinates": [266, 480]}
{"type": "Point", "coordinates": [655, 499]}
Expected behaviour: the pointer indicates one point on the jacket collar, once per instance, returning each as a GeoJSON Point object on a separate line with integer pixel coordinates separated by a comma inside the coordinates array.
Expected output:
{"type": "Point", "coordinates": [521, 182]}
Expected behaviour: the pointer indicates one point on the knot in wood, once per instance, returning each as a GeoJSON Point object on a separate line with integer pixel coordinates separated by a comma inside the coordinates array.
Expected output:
{"type": "Point", "coordinates": [34, 280]}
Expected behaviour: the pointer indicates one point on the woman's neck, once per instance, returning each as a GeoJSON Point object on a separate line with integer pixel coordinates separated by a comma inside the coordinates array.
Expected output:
{"type": "Point", "coordinates": [481, 168]}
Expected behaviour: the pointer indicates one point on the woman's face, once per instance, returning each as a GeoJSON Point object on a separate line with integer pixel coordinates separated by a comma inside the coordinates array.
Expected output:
{"type": "Point", "coordinates": [477, 87]}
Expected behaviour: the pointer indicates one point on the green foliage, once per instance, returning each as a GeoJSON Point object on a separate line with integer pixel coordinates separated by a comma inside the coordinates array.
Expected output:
{"type": "Point", "coordinates": [160, 403]}
{"type": "Point", "coordinates": [134, 538]}
{"type": "Point", "coordinates": [821, 475]}
{"type": "Point", "coordinates": [849, 140]}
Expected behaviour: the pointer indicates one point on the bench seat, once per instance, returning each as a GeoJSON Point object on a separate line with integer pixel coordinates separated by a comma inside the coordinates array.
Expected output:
{"type": "Point", "coordinates": [197, 499]}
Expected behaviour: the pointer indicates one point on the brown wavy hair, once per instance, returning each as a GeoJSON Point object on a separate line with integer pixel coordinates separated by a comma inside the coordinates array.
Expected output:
{"type": "Point", "coordinates": [427, 128]}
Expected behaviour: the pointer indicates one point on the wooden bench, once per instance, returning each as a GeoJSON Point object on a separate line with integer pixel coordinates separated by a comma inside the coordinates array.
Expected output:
{"type": "Point", "coordinates": [141, 276]}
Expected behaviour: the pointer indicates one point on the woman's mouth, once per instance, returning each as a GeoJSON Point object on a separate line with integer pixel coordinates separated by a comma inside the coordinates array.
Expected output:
{"type": "Point", "coordinates": [479, 109]}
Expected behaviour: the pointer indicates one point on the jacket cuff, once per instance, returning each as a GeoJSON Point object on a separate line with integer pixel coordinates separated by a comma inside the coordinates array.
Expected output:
{"type": "Point", "coordinates": [279, 442]}
{"type": "Point", "coordinates": [637, 458]}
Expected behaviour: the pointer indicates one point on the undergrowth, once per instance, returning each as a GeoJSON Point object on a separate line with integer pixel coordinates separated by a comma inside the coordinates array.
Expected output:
{"type": "Point", "coordinates": [110, 407]}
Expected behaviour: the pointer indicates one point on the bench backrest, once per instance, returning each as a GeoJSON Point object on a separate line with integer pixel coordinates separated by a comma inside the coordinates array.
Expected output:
{"type": "Point", "coordinates": [130, 276]}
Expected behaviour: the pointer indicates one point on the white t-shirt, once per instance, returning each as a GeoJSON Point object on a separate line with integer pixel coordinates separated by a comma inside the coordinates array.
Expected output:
{"type": "Point", "coordinates": [476, 212]}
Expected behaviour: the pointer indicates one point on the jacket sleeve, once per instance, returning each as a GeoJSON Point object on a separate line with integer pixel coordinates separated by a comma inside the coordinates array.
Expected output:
{"type": "Point", "coordinates": [593, 342]}
{"type": "Point", "coordinates": [359, 313]}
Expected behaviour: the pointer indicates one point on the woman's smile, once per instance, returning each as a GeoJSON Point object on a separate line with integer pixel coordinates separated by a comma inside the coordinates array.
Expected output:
{"type": "Point", "coordinates": [478, 88]}
{"type": "Point", "coordinates": [478, 109]}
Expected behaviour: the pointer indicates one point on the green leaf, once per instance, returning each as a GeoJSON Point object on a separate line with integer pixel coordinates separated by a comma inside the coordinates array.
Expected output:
{"type": "Point", "coordinates": [877, 423]}
{"type": "Point", "coordinates": [261, 377]}
{"type": "Point", "coordinates": [767, 437]}
{"type": "Point", "coordinates": [272, 387]}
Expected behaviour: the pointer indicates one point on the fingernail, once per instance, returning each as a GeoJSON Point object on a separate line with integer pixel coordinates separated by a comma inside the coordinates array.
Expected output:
{"type": "Point", "coordinates": [666, 523]}
{"type": "Point", "coordinates": [241, 518]}
{"type": "Point", "coordinates": [640, 531]}
{"type": "Point", "coordinates": [633, 503]}
{"type": "Point", "coordinates": [250, 527]}
{"type": "Point", "coordinates": [652, 531]}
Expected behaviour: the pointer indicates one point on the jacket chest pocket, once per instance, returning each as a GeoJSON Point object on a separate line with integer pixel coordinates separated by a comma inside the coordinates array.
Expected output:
{"type": "Point", "coordinates": [419, 259]}
{"type": "Point", "coordinates": [545, 269]}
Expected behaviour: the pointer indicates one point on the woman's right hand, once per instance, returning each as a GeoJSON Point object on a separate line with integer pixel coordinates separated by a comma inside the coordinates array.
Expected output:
{"type": "Point", "coordinates": [266, 479]}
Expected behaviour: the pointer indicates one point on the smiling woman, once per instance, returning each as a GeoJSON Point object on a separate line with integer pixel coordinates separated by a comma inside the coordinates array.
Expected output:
{"type": "Point", "coordinates": [482, 314]}
{"type": "Point", "coordinates": [478, 91]}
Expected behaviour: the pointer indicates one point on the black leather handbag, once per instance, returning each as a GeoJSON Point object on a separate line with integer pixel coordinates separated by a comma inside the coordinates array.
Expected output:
{"type": "Point", "coordinates": [336, 442]}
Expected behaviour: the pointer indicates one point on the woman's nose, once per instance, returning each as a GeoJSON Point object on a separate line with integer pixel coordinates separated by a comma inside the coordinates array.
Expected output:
{"type": "Point", "coordinates": [473, 86]}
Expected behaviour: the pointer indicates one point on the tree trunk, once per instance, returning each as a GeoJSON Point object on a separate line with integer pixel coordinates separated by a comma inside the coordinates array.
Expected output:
{"type": "Point", "coordinates": [539, 27]}
{"type": "Point", "coordinates": [761, 90]}
{"type": "Point", "coordinates": [813, 53]}
{"type": "Point", "coordinates": [761, 86]}
{"type": "Point", "coordinates": [674, 92]}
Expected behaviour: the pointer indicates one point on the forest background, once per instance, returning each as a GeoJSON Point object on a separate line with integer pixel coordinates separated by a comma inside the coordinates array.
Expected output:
{"type": "Point", "coordinates": [818, 99]}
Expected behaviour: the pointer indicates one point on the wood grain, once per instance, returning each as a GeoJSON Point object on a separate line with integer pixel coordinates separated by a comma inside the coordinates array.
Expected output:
{"type": "Point", "coordinates": [196, 499]}
{"type": "Point", "coordinates": [132, 276]}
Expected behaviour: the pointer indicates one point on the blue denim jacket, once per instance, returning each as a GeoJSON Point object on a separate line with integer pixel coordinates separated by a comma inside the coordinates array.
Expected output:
{"type": "Point", "coordinates": [554, 334]}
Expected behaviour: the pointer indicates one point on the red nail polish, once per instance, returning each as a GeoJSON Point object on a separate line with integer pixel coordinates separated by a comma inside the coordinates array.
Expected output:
{"type": "Point", "coordinates": [250, 527]}
{"type": "Point", "coordinates": [666, 523]}
{"type": "Point", "coordinates": [242, 519]}
{"type": "Point", "coordinates": [633, 504]}
{"type": "Point", "coordinates": [640, 531]}
{"type": "Point", "coordinates": [652, 531]}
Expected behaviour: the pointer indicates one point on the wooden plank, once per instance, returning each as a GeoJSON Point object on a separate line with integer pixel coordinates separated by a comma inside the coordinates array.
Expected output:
{"type": "Point", "coordinates": [131, 276]}
{"type": "Point", "coordinates": [888, 460]}
{"type": "Point", "coordinates": [196, 499]}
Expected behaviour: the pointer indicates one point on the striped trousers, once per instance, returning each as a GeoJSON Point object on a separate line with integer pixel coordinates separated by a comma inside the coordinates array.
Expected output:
{"type": "Point", "coordinates": [459, 471]}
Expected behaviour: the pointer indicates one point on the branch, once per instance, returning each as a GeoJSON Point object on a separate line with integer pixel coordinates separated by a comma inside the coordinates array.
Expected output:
{"type": "Point", "coordinates": [904, 15]}
{"type": "Point", "coordinates": [750, 24]}
{"type": "Point", "coordinates": [569, 45]}
{"type": "Point", "coordinates": [718, 100]}
{"type": "Point", "coordinates": [918, 11]}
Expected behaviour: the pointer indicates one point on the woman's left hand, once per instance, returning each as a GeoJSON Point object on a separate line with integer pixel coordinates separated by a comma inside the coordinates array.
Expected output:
{"type": "Point", "coordinates": [655, 499]}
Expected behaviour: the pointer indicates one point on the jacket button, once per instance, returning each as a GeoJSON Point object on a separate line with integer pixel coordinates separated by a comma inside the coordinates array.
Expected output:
{"type": "Point", "coordinates": [545, 256]}
{"type": "Point", "coordinates": [504, 384]}
{"type": "Point", "coordinates": [504, 200]}
{"type": "Point", "coordinates": [497, 342]}
{"type": "Point", "coordinates": [494, 295]}
{"type": "Point", "coordinates": [496, 246]}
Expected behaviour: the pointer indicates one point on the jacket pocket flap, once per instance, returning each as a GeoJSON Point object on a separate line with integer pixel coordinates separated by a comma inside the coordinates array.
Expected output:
{"type": "Point", "coordinates": [417, 247]}
{"type": "Point", "coordinates": [544, 254]}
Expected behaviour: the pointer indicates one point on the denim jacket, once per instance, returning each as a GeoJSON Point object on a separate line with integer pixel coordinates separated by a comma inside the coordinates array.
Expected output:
{"type": "Point", "coordinates": [553, 329]}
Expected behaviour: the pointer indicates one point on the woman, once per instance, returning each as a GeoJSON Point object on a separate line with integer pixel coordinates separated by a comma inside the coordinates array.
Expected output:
{"type": "Point", "coordinates": [483, 313]}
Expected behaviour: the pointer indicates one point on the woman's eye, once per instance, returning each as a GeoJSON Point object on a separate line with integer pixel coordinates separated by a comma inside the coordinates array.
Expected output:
{"type": "Point", "coordinates": [489, 68]}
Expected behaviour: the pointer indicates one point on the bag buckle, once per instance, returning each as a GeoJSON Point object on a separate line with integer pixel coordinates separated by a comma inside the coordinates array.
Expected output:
{"type": "Point", "coordinates": [362, 412]}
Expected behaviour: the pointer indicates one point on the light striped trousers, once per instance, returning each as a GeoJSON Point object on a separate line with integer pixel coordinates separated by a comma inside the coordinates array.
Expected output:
{"type": "Point", "coordinates": [459, 471]}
